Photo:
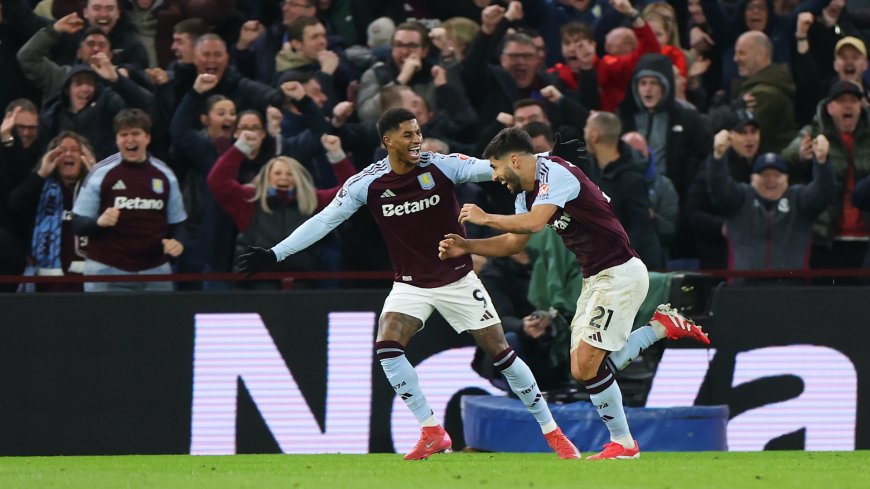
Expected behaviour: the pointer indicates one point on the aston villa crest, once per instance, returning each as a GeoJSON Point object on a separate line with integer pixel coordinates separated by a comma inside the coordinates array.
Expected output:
{"type": "Point", "coordinates": [426, 181]}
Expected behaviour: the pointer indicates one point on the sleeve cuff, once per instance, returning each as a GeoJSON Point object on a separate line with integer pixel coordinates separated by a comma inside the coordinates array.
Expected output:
{"type": "Point", "coordinates": [243, 147]}
{"type": "Point", "coordinates": [336, 157]}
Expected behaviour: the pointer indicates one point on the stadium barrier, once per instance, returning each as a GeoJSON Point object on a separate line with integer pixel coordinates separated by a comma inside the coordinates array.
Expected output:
{"type": "Point", "coordinates": [294, 372]}
{"type": "Point", "coordinates": [499, 424]}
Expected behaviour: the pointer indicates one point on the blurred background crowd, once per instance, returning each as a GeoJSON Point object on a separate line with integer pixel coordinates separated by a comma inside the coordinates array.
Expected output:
{"type": "Point", "coordinates": [728, 134]}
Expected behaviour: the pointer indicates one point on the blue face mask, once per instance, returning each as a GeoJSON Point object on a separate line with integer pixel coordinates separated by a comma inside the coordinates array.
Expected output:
{"type": "Point", "coordinates": [274, 192]}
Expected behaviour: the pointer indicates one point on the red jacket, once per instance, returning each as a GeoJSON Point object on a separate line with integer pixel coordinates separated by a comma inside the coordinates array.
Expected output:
{"type": "Point", "coordinates": [614, 72]}
{"type": "Point", "coordinates": [235, 198]}
{"type": "Point", "coordinates": [678, 57]}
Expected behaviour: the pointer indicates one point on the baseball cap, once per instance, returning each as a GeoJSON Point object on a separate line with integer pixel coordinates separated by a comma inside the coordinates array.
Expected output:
{"type": "Point", "coordinates": [851, 41]}
{"type": "Point", "coordinates": [737, 119]}
{"type": "Point", "coordinates": [769, 160]}
{"type": "Point", "coordinates": [843, 87]}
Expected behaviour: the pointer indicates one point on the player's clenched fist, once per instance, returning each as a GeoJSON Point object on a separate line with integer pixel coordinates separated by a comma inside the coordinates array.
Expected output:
{"type": "Point", "coordinates": [472, 213]}
{"type": "Point", "coordinates": [452, 246]}
{"type": "Point", "coordinates": [109, 217]}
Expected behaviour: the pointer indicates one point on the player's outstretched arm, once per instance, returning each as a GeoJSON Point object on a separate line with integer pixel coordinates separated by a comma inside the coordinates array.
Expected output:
{"type": "Point", "coordinates": [454, 245]}
{"type": "Point", "coordinates": [526, 223]}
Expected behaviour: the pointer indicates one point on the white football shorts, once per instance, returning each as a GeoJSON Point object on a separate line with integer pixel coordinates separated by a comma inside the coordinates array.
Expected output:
{"type": "Point", "coordinates": [608, 305]}
{"type": "Point", "coordinates": [465, 304]}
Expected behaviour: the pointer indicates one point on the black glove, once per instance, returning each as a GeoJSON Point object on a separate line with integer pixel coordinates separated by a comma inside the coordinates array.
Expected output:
{"type": "Point", "coordinates": [572, 151]}
{"type": "Point", "coordinates": [256, 260]}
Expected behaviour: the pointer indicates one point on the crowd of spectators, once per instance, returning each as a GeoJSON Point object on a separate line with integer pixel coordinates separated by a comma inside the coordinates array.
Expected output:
{"type": "Point", "coordinates": [728, 133]}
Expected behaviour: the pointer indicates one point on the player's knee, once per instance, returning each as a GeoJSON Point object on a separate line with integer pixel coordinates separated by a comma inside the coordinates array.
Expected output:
{"type": "Point", "coordinates": [492, 340]}
{"type": "Point", "coordinates": [586, 368]}
{"type": "Point", "coordinates": [395, 327]}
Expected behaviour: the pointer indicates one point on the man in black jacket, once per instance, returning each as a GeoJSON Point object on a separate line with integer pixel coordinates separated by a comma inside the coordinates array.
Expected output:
{"type": "Point", "coordinates": [19, 153]}
{"type": "Point", "coordinates": [621, 179]}
{"type": "Point", "coordinates": [706, 224]}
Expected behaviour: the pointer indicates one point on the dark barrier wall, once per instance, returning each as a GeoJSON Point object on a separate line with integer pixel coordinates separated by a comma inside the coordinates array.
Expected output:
{"type": "Point", "coordinates": [113, 374]}
{"type": "Point", "coordinates": [294, 372]}
{"type": "Point", "coordinates": [793, 364]}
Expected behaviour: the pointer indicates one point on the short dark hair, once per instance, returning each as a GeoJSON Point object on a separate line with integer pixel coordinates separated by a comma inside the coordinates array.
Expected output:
{"type": "Point", "coordinates": [538, 128]}
{"type": "Point", "coordinates": [95, 30]}
{"type": "Point", "coordinates": [302, 77]}
{"type": "Point", "coordinates": [392, 119]}
{"type": "Point", "coordinates": [575, 28]}
{"type": "Point", "coordinates": [296, 30]}
{"type": "Point", "coordinates": [26, 106]}
{"type": "Point", "coordinates": [528, 102]}
{"type": "Point", "coordinates": [132, 119]}
{"type": "Point", "coordinates": [414, 26]}
{"type": "Point", "coordinates": [253, 112]}
{"type": "Point", "coordinates": [193, 27]}
{"type": "Point", "coordinates": [212, 100]}
{"type": "Point", "coordinates": [509, 139]}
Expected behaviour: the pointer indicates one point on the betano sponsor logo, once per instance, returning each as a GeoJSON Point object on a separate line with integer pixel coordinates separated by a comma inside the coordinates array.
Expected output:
{"type": "Point", "coordinates": [410, 207]}
{"type": "Point", "coordinates": [138, 203]}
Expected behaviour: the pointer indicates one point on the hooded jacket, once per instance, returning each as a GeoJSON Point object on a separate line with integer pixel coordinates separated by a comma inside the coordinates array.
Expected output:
{"type": "Point", "coordinates": [94, 121]}
{"type": "Point", "coordinates": [773, 89]}
{"type": "Point", "coordinates": [677, 135]}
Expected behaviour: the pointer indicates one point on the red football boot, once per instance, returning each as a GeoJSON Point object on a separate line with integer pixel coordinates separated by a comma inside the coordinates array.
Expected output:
{"type": "Point", "coordinates": [433, 439]}
{"type": "Point", "coordinates": [562, 445]}
{"type": "Point", "coordinates": [615, 451]}
{"type": "Point", "coordinates": [678, 326]}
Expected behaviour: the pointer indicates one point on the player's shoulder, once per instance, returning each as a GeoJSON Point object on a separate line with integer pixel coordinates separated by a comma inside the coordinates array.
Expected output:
{"type": "Point", "coordinates": [368, 175]}
{"type": "Point", "coordinates": [553, 169]}
{"type": "Point", "coordinates": [430, 157]}
{"type": "Point", "coordinates": [98, 172]}
{"type": "Point", "coordinates": [106, 164]}
{"type": "Point", "coordinates": [162, 167]}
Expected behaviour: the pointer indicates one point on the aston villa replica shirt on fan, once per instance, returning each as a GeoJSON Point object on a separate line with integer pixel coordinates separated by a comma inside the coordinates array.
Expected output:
{"type": "Point", "coordinates": [584, 219]}
{"type": "Point", "coordinates": [414, 211]}
{"type": "Point", "coordinates": [149, 200]}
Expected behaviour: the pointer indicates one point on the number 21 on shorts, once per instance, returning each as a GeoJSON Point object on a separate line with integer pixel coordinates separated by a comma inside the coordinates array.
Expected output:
{"type": "Point", "coordinates": [598, 313]}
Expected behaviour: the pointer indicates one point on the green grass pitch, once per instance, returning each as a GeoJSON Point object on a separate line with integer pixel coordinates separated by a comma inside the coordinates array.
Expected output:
{"type": "Point", "coordinates": [811, 470]}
